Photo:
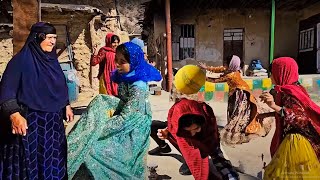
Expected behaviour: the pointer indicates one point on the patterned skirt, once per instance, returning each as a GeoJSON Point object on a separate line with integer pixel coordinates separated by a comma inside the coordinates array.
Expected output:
{"type": "Point", "coordinates": [239, 117]}
{"type": "Point", "coordinates": [41, 154]}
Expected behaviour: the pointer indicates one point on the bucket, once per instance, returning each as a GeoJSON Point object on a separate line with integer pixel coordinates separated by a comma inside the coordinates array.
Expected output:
{"type": "Point", "coordinates": [72, 80]}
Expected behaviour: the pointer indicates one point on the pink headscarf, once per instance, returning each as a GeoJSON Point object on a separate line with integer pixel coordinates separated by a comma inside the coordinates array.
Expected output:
{"type": "Point", "coordinates": [234, 64]}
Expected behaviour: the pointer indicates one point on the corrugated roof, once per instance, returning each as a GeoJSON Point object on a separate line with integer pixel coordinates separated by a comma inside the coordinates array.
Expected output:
{"type": "Point", "coordinates": [69, 8]}
{"type": "Point", "coordinates": [227, 4]}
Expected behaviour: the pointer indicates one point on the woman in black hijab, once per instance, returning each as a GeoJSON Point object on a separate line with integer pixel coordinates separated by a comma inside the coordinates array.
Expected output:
{"type": "Point", "coordinates": [33, 99]}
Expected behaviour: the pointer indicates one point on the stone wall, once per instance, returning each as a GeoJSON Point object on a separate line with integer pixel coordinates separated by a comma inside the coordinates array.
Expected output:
{"type": "Point", "coordinates": [80, 41]}
{"type": "Point", "coordinates": [103, 5]}
{"type": "Point", "coordinates": [6, 49]}
{"type": "Point", "coordinates": [132, 12]}
{"type": "Point", "coordinates": [85, 32]}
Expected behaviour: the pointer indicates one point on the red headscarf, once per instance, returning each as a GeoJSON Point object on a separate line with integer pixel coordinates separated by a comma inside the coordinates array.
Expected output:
{"type": "Point", "coordinates": [286, 76]}
{"type": "Point", "coordinates": [195, 150]}
{"type": "Point", "coordinates": [109, 65]}
{"type": "Point", "coordinates": [108, 46]}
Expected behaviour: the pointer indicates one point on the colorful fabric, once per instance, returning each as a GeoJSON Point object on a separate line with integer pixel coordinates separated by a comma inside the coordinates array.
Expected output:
{"type": "Point", "coordinates": [140, 70]}
{"type": "Point", "coordinates": [107, 64]}
{"type": "Point", "coordinates": [41, 154]}
{"type": "Point", "coordinates": [235, 82]}
{"type": "Point", "coordinates": [294, 160]}
{"type": "Point", "coordinates": [102, 86]}
{"type": "Point", "coordinates": [239, 117]}
{"type": "Point", "coordinates": [234, 64]}
{"type": "Point", "coordinates": [112, 147]}
{"type": "Point", "coordinates": [34, 77]}
{"type": "Point", "coordinates": [219, 69]}
{"type": "Point", "coordinates": [224, 166]}
{"type": "Point", "coordinates": [195, 149]}
{"type": "Point", "coordinates": [285, 73]}
{"type": "Point", "coordinates": [294, 120]}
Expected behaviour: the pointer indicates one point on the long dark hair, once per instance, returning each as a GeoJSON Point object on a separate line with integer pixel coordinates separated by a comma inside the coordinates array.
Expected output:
{"type": "Point", "coordinates": [189, 119]}
{"type": "Point", "coordinates": [114, 38]}
{"type": "Point", "coordinates": [123, 50]}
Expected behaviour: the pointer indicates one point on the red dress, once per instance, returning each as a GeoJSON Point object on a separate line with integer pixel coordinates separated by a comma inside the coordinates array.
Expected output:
{"type": "Point", "coordinates": [106, 60]}
{"type": "Point", "coordinates": [196, 149]}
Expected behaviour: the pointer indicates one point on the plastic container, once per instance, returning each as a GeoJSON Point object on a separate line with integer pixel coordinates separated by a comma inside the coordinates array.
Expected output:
{"type": "Point", "coordinates": [71, 79]}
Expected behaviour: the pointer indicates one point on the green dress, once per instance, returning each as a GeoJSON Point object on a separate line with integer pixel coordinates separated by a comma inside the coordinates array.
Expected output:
{"type": "Point", "coordinates": [112, 147]}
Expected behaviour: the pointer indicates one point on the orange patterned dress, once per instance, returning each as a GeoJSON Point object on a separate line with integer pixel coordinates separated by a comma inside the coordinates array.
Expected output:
{"type": "Point", "coordinates": [242, 109]}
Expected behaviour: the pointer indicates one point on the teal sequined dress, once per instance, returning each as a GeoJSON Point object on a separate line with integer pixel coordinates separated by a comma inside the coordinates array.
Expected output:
{"type": "Point", "coordinates": [113, 147]}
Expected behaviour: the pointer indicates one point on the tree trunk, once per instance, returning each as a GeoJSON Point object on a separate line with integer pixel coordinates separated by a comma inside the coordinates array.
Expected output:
{"type": "Point", "coordinates": [25, 14]}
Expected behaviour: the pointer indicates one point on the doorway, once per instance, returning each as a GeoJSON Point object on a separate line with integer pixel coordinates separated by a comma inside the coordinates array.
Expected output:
{"type": "Point", "coordinates": [233, 43]}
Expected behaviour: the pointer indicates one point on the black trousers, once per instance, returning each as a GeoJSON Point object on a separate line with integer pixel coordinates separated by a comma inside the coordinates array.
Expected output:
{"type": "Point", "coordinates": [154, 130]}
{"type": "Point", "coordinates": [223, 166]}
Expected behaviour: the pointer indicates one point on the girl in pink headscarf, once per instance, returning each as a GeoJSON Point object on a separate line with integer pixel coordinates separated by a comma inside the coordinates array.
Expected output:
{"type": "Point", "coordinates": [106, 60]}
{"type": "Point", "coordinates": [242, 106]}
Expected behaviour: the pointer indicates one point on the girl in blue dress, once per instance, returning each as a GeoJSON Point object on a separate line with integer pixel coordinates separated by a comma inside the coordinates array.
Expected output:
{"type": "Point", "coordinates": [114, 145]}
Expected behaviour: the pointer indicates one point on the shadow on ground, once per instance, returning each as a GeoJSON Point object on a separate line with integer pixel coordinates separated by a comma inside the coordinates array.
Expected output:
{"type": "Point", "coordinates": [176, 156]}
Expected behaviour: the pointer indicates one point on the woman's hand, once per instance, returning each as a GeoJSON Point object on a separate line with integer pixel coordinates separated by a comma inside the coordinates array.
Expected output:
{"type": "Point", "coordinates": [94, 49]}
{"type": "Point", "coordinates": [69, 114]}
{"type": "Point", "coordinates": [267, 98]}
{"type": "Point", "coordinates": [19, 124]}
{"type": "Point", "coordinates": [163, 133]}
{"type": "Point", "coordinates": [203, 65]}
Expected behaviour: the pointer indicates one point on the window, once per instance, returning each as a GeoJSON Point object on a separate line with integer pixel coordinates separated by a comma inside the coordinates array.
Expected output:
{"type": "Point", "coordinates": [183, 41]}
{"type": "Point", "coordinates": [233, 34]}
{"type": "Point", "coordinates": [306, 40]}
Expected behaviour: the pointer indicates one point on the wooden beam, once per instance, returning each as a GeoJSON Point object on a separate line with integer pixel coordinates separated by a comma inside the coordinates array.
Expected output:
{"type": "Point", "coordinates": [25, 14]}
{"type": "Point", "coordinates": [169, 44]}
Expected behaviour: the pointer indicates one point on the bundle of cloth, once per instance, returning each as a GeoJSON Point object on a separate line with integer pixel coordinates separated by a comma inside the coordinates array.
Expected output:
{"type": "Point", "coordinates": [256, 69]}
